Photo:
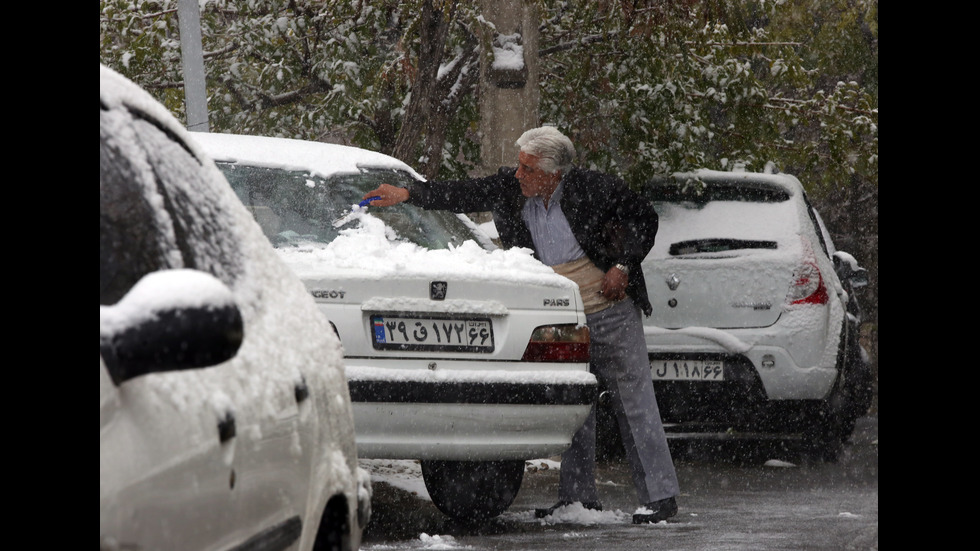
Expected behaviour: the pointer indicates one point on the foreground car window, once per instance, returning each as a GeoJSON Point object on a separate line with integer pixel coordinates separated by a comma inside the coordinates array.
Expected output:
{"type": "Point", "coordinates": [153, 220]}
{"type": "Point", "coordinates": [296, 206]}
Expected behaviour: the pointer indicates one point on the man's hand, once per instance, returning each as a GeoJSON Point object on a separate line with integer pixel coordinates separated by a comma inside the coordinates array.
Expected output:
{"type": "Point", "coordinates": [389, 194]}
{"type": "Point", "coordinates": [614, 284]}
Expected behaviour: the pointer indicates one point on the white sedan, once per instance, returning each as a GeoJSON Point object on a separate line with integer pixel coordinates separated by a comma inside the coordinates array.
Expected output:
{"type": "Point", "coordinates": [469, 358]}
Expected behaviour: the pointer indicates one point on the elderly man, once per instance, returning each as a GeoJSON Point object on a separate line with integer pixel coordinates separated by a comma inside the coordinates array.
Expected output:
{"type": "Point", "coordinates": [591, 228]}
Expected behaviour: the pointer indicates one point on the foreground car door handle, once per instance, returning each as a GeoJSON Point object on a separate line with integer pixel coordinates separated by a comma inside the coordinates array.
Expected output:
{"type": "Point", "coordinates": [226, 427]}
{"type": "Point", "coordinates": [301, 391]}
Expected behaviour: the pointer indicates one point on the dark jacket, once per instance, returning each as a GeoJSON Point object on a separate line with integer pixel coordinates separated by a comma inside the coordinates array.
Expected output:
{"type": "Point", "coordinates": [612, 223]}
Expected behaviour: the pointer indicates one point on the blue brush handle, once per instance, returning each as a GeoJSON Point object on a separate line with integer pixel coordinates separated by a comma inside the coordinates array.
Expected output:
{"type": "Point", "coordinates": [367, 201]}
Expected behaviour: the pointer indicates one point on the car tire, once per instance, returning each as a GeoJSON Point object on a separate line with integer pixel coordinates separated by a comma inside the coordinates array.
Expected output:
{"type": "Point", "coordinates": [334, 531]}
{"type": "Point", "coordinates": [823, 437]}
{"type": "Point", "coordinates": [831, 426]}
{"type": "Point", "coordinates": [472, 490]}
{"type": "Point", "coordinates": [861, 384]}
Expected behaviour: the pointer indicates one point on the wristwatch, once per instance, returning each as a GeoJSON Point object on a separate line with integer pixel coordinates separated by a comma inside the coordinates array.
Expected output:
{"type": "Point", "coordinates": [623, 268]}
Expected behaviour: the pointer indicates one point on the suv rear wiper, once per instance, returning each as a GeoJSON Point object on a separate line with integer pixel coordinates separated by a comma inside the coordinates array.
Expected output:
{"type": "Point", "coordinates": [715, 244]}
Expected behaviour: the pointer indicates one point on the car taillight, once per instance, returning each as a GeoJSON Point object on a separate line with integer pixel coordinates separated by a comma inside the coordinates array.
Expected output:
{"type": "Point", "coordinates": [558, 343]}
{"type": "Point", "coordinates": [807, 286]}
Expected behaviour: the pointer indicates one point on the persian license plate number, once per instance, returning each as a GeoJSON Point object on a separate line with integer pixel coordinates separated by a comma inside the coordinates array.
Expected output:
{"type": "Point", "coordinates": [449, 334]}
{"type": "Point", "coordinates": [687, 370]}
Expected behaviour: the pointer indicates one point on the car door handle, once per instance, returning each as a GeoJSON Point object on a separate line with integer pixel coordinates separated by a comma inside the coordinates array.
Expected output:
{"type": "Point", "coordinates": [226, 427]}
{"type": "Point", "coordinates": [301, 391]}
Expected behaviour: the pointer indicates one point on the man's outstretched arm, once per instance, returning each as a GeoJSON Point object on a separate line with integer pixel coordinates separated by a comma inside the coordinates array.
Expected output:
{"type": "Point", "coordinates": [389, 195]}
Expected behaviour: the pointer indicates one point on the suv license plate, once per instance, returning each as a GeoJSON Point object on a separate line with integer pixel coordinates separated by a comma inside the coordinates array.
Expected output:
{"type": "Point", "coordinates": [687, 370]}
{"type": "Point", "coordinates": [435, 334]}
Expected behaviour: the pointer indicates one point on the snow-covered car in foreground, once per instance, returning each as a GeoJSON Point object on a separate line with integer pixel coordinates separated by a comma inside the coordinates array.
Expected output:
{"type": "Point", "coordinates": [224, 415]}
{"type": "Point", "coordinates": [754, 331]}
{"type": "Point", "coordinates": [469, 358]}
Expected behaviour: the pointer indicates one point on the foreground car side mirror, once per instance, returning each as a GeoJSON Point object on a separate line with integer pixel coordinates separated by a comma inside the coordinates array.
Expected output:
{"type": "Point", "coordinates": [170, 320]}
{"type": "Point", "coordinates": [847, 269]}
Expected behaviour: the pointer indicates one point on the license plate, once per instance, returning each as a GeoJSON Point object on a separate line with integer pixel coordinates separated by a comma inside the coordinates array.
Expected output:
{"type": "Point", "coordinates": [435, 334]}
{"type": "Point", "coordinates": [687, 370]}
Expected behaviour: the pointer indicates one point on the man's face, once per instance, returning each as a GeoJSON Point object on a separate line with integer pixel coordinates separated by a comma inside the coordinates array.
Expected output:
{"type": "Point", "coordinates": [534, 181]}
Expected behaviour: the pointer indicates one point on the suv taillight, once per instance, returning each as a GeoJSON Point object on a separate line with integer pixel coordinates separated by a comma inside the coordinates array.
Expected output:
{"type": "Point", "coordinates": [558, 343]}
{"type": "Point", "coordinates": [807, 286]}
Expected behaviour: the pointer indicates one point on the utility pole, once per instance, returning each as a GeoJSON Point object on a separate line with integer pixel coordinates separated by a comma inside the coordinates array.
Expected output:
{"type": "Point", "coordinates": [192, 58]}
{"type": "Point", "coordinates": [508, 81]}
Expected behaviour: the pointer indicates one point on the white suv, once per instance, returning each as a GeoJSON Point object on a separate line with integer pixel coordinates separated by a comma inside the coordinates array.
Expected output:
{"type": "Point", "coordinates": [754, 325]}
{"type": "Point", "coordinates": [469, 358]}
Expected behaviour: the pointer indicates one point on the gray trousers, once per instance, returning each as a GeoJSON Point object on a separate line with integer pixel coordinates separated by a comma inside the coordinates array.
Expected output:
{"type": "Point", "coordinates": [619, 361]}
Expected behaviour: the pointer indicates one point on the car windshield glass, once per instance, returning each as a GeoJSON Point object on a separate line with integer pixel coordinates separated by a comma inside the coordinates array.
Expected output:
{"type": "Point", "coordinates": [716, 217]}
{"type": "Point", "coordinates": [296, 206]}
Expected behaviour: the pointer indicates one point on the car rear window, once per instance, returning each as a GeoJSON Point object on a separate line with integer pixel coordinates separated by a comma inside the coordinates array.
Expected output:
{"type": "Point", "coordinates": [295, 206]}
{"type": "Point", "coordinates": [699, 218]}
{"type": "Point", "coordinates": [699, 192]}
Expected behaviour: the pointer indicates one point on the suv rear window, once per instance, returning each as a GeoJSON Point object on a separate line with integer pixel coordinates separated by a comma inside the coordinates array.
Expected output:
{"type": "Point", "coordinates": [701, 192]}
{"type": "Point", "coordinates": [708, 218]}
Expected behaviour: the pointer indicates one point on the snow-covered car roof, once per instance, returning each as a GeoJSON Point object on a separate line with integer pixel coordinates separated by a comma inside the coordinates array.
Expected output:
{"type": "Point", "coordinates": [116, 90]}
{"type": "Point", "coordinates": [322, 159]}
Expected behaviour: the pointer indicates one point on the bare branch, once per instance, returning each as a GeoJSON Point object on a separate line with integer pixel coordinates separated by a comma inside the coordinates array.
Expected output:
{"type": "Point", "coordinates": [585, 41]}
{"type": "Point", "coordinates": [293, 96]}
{"type": "Point", "coordinates": [739, 44]}
{"type": "Point", "coordinates": [216, 53]}
{"type": "Point", "coordinates": [158, 14]}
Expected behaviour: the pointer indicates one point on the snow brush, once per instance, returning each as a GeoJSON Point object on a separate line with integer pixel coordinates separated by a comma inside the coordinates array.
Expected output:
{"type": "Point", "coordinates": [360, 207]}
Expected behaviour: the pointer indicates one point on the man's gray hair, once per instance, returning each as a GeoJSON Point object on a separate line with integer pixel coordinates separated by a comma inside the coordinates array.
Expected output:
{"type": "Point", "coordinates": [553, 148]}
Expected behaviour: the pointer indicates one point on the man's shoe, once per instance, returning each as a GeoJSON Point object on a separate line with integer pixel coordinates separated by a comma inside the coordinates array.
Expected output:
{"type": "Point", "coordinates": [655, 511]}
{"type": "Point", "coordinates": [546, 512]}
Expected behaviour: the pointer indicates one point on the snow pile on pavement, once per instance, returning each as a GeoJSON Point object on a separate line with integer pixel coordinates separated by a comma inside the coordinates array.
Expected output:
{"type": "Point", "coordinates": [404, 474]}
{"type": "Point", "coordinates": [572, 514]}
{"type": "Point", "coordinates": [439, 542]}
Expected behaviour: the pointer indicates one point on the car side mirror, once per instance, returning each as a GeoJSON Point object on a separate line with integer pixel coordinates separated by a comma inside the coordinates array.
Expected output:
{"type": "Point", "coordinates": [847, 269]}
{"type": "Point", "coordinates": [170, 320]}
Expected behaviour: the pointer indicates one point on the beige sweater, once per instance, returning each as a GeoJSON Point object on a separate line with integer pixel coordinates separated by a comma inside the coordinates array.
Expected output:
{"type": "Point", "coordinates": [589, 280]}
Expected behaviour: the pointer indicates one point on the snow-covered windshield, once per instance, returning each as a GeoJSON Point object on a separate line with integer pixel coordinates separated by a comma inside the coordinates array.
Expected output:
{"type": "Point", "coordinates": [296, 206]}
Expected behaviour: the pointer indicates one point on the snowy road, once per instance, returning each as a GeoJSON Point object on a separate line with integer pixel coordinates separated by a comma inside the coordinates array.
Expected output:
{"type": "Point", "coordinates": [730, 501]}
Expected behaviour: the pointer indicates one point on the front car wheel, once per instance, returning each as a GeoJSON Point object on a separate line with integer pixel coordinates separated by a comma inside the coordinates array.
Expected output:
{"type": "Point", "coordinates": [473, 490]}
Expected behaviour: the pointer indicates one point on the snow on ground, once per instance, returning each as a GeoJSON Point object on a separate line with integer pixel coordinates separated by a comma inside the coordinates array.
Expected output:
{"type": "Point", "coordinates": [406, 475]}
{"type": "Point", "coordinates": [425, 541]}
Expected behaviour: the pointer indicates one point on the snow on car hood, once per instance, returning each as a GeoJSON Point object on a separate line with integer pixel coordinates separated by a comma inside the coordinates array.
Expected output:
{"type": "Point", "coordinates": [367, 252]}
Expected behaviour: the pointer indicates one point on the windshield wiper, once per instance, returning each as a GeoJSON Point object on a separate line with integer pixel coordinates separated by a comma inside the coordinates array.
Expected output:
{"type": "Point", "coordinates": [715, 244]}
